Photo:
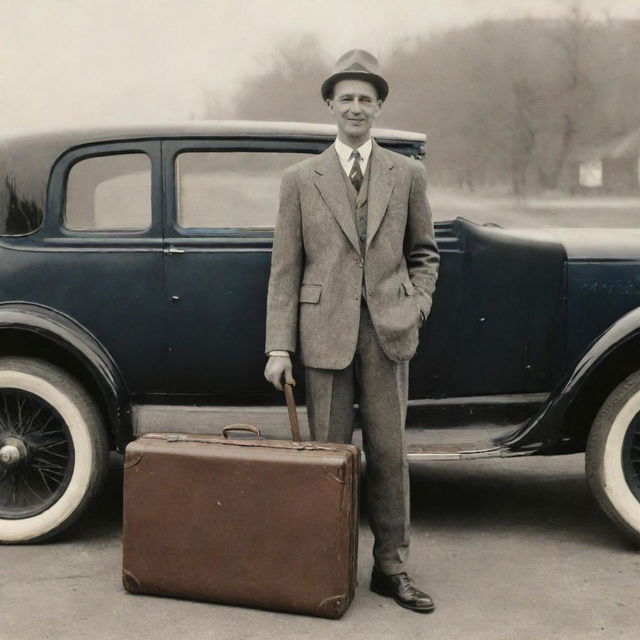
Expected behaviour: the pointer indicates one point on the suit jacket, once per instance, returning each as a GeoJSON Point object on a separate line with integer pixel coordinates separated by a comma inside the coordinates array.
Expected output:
{"type": "Point", "coordinates": [317, 270]}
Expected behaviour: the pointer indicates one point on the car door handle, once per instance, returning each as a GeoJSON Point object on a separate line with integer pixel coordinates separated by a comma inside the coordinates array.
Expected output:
{"type": "Point", "coordinates": [173, 250]}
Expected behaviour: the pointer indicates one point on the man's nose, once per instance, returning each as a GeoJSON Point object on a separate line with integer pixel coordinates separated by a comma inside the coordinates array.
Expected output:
{"type": "Point", "coordinates": [355, 106]}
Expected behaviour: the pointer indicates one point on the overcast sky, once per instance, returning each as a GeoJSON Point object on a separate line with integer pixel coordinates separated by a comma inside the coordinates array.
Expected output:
{"type": "Point", "coordinates": [136, 60]}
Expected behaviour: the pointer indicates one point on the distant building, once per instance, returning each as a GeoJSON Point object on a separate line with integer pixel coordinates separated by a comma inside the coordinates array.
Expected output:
{"type": "Point", "coordinates": [610, 167]}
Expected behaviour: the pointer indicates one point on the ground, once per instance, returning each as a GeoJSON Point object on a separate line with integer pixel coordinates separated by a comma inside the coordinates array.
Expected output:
{"type": "Point", "coordinates": [508, 549]}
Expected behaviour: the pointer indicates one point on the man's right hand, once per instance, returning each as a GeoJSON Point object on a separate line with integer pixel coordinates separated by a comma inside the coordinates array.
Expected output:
{"type": "Point", "coordinates": [276, 366]}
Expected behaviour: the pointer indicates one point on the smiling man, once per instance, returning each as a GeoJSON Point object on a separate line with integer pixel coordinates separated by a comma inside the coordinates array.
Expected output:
{"type": "Point", "coordinates": [353, 271]}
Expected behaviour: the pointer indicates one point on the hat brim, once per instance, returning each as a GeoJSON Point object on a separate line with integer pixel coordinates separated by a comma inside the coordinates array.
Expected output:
{"type": "Point", "coordinates": [377, 81]}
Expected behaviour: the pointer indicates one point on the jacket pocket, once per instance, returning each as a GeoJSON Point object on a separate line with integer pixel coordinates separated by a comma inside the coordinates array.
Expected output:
{"type": "Point", "coordinates": [408, 287]}
{"type": "Point", "coordinates": [310, 293]}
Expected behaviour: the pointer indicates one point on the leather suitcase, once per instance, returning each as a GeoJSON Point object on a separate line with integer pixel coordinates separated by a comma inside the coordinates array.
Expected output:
{"type": "Point", "coordinates": [267, 524]}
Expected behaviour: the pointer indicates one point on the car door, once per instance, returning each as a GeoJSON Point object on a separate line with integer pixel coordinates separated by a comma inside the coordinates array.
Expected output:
{"type": "Point", "coordinates": [496, 326]}
{"type": "Point", "coordinates": [98, 256]}
{"type": "Point", "coordinates": [221, 205]}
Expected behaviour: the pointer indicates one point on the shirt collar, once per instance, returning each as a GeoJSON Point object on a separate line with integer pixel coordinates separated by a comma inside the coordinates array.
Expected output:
{"type": "Point", "coordinates": [344, 151]}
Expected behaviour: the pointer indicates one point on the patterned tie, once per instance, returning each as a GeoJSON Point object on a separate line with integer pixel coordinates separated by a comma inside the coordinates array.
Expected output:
{"type": "Point", "coordinates": [356, 172]}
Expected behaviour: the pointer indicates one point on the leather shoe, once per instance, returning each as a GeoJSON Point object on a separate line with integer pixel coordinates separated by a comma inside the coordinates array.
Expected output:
{"type": "Point", "coordinates": [402, 589]}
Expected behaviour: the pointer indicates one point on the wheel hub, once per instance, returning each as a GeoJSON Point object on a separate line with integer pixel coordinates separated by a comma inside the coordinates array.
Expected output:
{"type": "Point", "coordinates": [12, 452]}
{"type": "Point", "coordinates": [36, 455]}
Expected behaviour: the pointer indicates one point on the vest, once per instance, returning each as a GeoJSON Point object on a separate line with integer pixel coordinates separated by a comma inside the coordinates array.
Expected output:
{"type": "Point", "coordinates": [358, 202]}
{"type": "Point", "coordinates": [359, 207]}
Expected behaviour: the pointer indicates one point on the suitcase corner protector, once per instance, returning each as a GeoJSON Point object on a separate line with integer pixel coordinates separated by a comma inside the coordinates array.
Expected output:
{"type": "Point", "coordinates": [130, 582]}
{"type": "Point", "coordinates": [333, 607]}
{"type": "Point", "coordinates": [132, 459]}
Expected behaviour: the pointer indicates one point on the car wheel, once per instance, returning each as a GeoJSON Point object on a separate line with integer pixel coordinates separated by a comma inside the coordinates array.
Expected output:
{"type": "Point", "coordinates": [54, 449]}
{"type": "Point", "coordinates": [613, 456]}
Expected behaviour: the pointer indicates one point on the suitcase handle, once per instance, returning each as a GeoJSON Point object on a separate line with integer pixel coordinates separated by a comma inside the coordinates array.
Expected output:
{"type": "Point", "coordinates": [293, 414]}
{"type": "Point", "coordinates": [241, 427]}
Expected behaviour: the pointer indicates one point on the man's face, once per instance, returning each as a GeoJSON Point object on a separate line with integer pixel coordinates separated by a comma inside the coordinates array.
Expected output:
{"type": "Point", "coordinates": [355, 105]}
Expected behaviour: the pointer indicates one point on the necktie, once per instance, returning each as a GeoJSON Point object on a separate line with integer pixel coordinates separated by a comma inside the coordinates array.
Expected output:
{"type": "Point", "coordinates": [355, 174]}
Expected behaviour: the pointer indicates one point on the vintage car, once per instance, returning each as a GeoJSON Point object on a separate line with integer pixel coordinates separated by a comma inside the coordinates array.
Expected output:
{"type": "Point", "coordinates": [134, 264]}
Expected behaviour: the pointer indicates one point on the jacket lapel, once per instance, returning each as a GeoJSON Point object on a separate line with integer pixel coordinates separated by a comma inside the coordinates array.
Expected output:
{"type": "Point", "coordinates": [381, 183]}
{"type": "Point", "coordinates": [330, 183]}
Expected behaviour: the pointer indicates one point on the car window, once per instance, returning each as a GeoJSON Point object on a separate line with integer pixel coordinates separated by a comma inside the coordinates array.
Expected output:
{"type": "Point", "coordinates": [223, 189]}
{"type": "Point", "coordinates": [21, 210]}
{"type": "Point", "coordinates": [109, 192]}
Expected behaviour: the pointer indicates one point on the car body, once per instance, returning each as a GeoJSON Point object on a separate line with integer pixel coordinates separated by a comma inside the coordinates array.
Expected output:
{"type": "Point", "coordinates": [134, 263]}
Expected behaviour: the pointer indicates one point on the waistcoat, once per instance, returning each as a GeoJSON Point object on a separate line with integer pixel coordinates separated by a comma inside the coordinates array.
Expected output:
{"type": "Point", "coordinates": [359, 207]}
{"type": "Point", "coordinates": [358, 202]}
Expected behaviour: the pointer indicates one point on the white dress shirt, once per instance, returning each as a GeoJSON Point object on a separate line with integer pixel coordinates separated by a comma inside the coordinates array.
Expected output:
{"type": "Point", "coordinates": [344, 152]}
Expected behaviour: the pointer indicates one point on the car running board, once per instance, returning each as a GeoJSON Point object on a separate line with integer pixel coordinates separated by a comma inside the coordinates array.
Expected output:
{"type": "Point", "coordinates": [455, 451]}
{"type": "Point", "coordinates": [468, 442]}
{"type": "Point", "coordinates": [461, 443]}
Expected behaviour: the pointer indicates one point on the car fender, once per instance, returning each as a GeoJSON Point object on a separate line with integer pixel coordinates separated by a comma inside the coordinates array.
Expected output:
{"type": "Point", "coordinates": [548, 429]}
{"type": "Point", "coordinates": [80, 344]}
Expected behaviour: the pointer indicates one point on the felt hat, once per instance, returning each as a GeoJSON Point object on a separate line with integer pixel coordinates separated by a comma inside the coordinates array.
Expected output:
{"type": "Point", "coordinates": [356, 64]}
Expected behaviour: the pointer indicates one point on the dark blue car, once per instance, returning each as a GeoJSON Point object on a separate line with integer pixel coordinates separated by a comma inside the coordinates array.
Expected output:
{"type": "Point", "coordinates": [134, 264]}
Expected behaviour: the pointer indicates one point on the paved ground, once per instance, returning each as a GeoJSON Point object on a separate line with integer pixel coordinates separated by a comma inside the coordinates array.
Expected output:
{"type": "Point", "coordinates": [508, 549]}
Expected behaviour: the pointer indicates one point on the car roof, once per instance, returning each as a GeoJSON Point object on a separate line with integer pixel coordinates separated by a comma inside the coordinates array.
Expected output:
{"type": "Point", "coordinates": [27, 157]}
{"type": "Point", "coordinates": [74, 135]}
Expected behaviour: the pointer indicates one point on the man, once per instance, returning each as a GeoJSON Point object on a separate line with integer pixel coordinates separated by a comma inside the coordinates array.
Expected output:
{"type": "Point", "coordinates": [353, 270]}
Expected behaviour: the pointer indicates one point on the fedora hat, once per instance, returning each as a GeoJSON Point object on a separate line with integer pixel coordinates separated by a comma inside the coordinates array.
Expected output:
{"type": "Point", "coordinates": [356, 64]}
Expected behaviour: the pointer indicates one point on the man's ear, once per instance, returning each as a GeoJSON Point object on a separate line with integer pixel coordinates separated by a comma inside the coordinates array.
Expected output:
{"type": "Point", "coordinates": [329, 102]}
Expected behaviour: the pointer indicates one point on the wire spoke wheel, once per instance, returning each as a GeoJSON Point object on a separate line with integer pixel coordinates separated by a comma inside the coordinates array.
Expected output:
{"type": "Point", "coordinates": [613, 456]}
{"type": "Point", "coordinates": [631, 456]}
{"type": "Point", "coordinates": [36, 454]}
{"type": "Point", "coordinates": [54, 449]}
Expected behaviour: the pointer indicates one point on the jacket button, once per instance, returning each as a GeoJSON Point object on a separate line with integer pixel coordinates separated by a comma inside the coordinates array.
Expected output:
{"type": "Point", "coordinates": [356, 297]}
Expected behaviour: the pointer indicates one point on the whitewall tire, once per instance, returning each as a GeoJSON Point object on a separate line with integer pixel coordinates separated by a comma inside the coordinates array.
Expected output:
{"type": "Point", "coordinates": [54, 450]}
{"type": "Point", "coordinates": [613, 456]}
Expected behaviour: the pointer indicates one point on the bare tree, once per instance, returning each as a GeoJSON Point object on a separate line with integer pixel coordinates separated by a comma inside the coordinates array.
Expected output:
{"type": "Point", "coordinates": [503, 103]}
{"type": "Point", "coordinates": [288, 88]}
{"type": "Point", "coordinates": [574, 100]}
{"type": "Point", "coordinates": [550, 107]}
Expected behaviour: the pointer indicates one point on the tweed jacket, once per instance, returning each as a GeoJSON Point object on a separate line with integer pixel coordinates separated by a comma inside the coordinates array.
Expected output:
{"type": "Point", "coordinates": [318, 272]}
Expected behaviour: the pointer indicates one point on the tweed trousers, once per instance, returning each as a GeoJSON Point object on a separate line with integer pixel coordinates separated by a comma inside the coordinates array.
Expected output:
{"type": "Point", "coordinates": [383, 387]}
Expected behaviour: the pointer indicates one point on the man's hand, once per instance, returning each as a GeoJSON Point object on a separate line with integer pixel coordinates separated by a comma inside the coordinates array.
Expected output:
{"type": "Point", "coordinates": [276, 366]}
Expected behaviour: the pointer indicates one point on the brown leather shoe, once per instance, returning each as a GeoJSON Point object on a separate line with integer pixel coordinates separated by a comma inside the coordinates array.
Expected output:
{"type": "Point", "coordinates": [402, 589]}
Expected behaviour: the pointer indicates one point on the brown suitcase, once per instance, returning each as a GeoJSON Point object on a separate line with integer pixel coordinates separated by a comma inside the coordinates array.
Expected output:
{"type": "Point", "coordinates": [268, 524]}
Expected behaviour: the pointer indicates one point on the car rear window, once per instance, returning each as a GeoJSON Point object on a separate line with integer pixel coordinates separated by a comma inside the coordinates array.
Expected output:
{"type": "Point", "coordinates": [223, 189]}
{"type": "Point", "coordinates": [109, 192]}
{"type": "Point", "coordinates": [20, 213]}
